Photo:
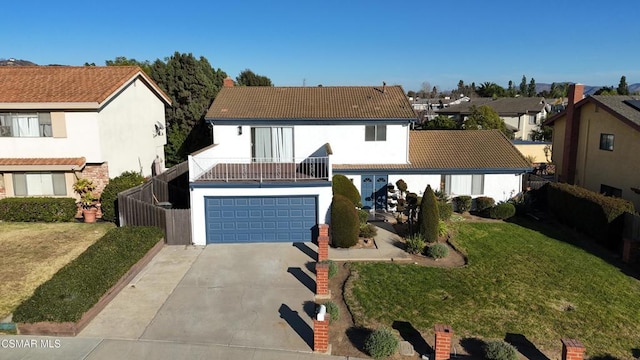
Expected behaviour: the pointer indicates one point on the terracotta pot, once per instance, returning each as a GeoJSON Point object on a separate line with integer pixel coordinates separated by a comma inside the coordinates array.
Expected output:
{"type": "Point", "coordinates": [89, 215]}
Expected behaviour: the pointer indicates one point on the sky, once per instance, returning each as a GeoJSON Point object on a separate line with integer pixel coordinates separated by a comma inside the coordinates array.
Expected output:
{"type": "Point", "coordinates": [347, 42]}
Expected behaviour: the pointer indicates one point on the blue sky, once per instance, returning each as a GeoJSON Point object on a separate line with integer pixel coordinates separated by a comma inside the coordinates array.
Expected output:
{"type": "Point", "coordinates": [343, 42]}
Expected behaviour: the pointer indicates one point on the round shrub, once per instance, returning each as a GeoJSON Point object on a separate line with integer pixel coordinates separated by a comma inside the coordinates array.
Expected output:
{"type": "Point", "coordinates": [333, 310]}
{"type": "Point", "coordinates": [125, 181]}
{"type": "Point", "coordinates": [345, 225]}
{"type": "Point", "coordinates": [445, 210]}
{"type": "Point", "coordinates": [462, 203]}
{"type": "Point", "coordinates": [363, 215]}
{"type": "Point", "coordinates": [333, 268]}
{"type": "Point", "coordinates": [484, 203]}
{"type": "Point", "coordinates": [438, 251]}
{"type": "Point", "coordinates": [415, 244]}
{"type": "Point", "coordinates": [429, 216]}
{"type": "Point", "coordinates": [502, 211]}
{"type": "Point", "coordinates": [343, 186]}
{"type": "Point", "coordinates": [368, 231]}
{"type": "Point", "coordinates": [381, 343]}
{"type": "Point", "coordinates": [402, 185]}
{"type": "Point", "coordinates": [500, 350]}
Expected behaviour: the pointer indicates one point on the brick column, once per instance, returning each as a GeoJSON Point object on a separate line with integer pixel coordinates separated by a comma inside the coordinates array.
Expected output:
{"type": "Point", "coordinates": [572, 349]}
{"type": "Point", "coordinates": [443, 341]}
{"type": "Point", "coordinates": [322, 280]}
{"type": "Point", "coordinates": [321, 335]}
{"type": "Point", "coordinates": [323, 242]}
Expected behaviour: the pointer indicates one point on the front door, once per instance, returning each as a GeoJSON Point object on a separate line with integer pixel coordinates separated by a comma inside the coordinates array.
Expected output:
{"type": "Point", "coordinates": [373, 190]}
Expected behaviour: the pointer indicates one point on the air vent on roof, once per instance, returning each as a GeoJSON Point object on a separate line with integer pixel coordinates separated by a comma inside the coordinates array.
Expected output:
{"type": "Point", "coordinates": [633, 103]}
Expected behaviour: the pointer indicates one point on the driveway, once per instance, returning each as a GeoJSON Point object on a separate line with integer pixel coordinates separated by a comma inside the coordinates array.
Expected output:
{"type": "Point", "coordinates": [245, 295]}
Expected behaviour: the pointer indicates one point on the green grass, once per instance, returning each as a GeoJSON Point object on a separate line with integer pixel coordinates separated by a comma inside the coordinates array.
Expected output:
{"type": "Point", "coordinates": [518, 281]}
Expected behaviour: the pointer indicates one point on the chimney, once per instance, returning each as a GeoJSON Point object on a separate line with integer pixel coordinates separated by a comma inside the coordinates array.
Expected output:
{"type": "Point", "coordinates": [384, 87]}
{"type": "Point", "coordinates": [571, 132]}
{"type": "Point", "coordinates": [228, 82]}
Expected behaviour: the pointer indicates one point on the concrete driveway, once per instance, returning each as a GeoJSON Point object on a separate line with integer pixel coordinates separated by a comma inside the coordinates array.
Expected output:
{"type": "Point", "coordinates": [245, 295]}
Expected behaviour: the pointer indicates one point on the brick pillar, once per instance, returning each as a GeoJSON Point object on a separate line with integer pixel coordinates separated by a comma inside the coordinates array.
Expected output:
{"type": "Point", "coordinates": [322, 280]}
{"type": "Point", "coordinates": [323, 242]}
{"type": "Point", "coordinates": [572, 349]}
{"type": "Point", "coordinates": [443, 341]}
{"type": "Point", "coordinates": [321, 335]}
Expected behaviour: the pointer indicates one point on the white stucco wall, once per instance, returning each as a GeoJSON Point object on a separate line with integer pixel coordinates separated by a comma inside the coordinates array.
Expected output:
{"type": "Point", "coordinates": [417, 183]}
{"type": "Point", "coordinates": [502, 187]}
{"type": "Point", "coordinates": [198, 221]}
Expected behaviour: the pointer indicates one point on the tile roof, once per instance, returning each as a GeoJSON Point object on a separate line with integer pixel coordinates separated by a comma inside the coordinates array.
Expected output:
{"type": "Point", "coordinates": [65, 84]}
{"type": "Point", "coordinates": [503, 106]}
{"type": "Point", "coordinates": [614, 104]}
{"type": "Point", "coordinates": [326, 102]}
{"type": "Point", "coordinates": [79, 161]}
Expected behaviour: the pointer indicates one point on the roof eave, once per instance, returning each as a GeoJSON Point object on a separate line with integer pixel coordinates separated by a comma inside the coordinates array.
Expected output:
{"type": "Point", "coordinates": [49, 105]}
{"type": "Point", "coordinates": [306, 121]}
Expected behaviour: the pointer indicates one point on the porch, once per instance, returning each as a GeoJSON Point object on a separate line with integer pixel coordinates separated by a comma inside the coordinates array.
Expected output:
{"type": "Point", "coordinates": [259, 169]}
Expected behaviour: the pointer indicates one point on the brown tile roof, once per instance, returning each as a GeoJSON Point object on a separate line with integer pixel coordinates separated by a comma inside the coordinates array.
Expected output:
{"type": "Point", "coordinates": [614, 104]}
{"type": "Point", "coordinates": [327, 102]}
{"type": "Point", "coordinates": [79, 161]}
{"type": "Point", "coordinates": [503, 106]}
{"type": "Point", "coordinates": [66, 84]}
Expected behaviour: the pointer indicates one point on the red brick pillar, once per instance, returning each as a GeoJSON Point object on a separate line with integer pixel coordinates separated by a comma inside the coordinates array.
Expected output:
{"type": "Point", "coordinates": [323, 242]}
{"type": "Point", "coordinates": [443, 341]}
{"type": "Point", "coordinates": [572, 349]}
{"type": "Point", "coordinates": [321, 334]}
{"type": "Point", "coordinates": [322, 280]}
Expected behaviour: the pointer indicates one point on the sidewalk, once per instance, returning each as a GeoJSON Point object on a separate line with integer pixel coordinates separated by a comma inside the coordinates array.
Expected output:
{"type": "Point", "coordinates": [388, 248]}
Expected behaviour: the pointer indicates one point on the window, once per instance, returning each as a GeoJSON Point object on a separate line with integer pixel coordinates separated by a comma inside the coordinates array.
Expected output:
{"type": "Point", "coordinates": [464, 184]}
{"type": "Point", "coordinates": [25, 124]}
{"type": "Point", "coordinates": [606, 142]}
{"type": "Point", "coordinates": [610, 191]}
{"type": "Point", "coordinates": [375, 133]}
{"type": "Point", "coordinates": [272, 144]}
{"type": "Point", "coordinates": [532, 119]}
{"type": "Point", "coordinates": [39, 184]}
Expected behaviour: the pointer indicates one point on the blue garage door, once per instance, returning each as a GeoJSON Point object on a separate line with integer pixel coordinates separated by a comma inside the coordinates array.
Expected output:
{"type": "Point", "coordinates": [260, 218]}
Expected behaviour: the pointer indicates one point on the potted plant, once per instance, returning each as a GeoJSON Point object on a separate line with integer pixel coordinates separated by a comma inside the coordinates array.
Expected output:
{"type": "Point", "coordinates": [88, 201]}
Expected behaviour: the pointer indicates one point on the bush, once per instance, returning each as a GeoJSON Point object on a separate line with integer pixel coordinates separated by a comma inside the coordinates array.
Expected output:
{"type": "Point", "coordinates": [368, 231]}
{"type": "Point", "coordinates": [345, 225]}
{"type": "Point", "coordinates": [42, 209]}
{"type": "Point", "coordinates": [381, 343]}
{"type": "Point", "coordinates": [442, 228]}
{"type": "Point", "coordinates": [415, 244]}
{"type": "Point", "coordinates": [402, 186]}
{"type": "Point", "coordinates": [503, 210]}
{"type": "Point", "coordinates": [445, 210]}
{"type": "Point", "coordinates": [76, 287]}
{"type": "Point", "coordinates": [441, 196]}
{"type": "Point", "coordinates": [429, 216]}
{"type": "Point", "coordinates": [333, 310]}
{"type": "Point", "coordinates": [438, 251]}
{"type": "Point", "coordinates": [363, 215]}
{"type": "Point", "coordinates": [484, 203]}
{"type": "Point", "coordinates": [109, 196]}
{"type": "Point", "coordinates": [499, 350]}
{"type": "Point", "coordinates": [462, 203]}
{"type": "Point", "coordinates": [343, 186]}
{"type": "Point", "coordinates": [333, 268]}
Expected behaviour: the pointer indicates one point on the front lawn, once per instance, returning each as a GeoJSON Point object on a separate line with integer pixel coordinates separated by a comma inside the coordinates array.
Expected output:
{"type": "Point", "coordinates": [32, 252]}
{"type": "Point", "coordinates": [518, 281]}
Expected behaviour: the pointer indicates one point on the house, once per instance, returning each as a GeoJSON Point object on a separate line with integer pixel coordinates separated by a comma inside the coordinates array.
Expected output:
{"type": "Point", "coordinates": [58, 123]}
{"type": "Point", "coordinates": [596, 142]}
{"type": "Point", "coordinates": [521, 114]}
{"type": "Point", "coordinates": [267, 176]}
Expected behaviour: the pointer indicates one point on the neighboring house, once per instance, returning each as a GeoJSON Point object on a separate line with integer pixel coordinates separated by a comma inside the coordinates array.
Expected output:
{"type": "Point", "coordinates": [521, 115]}
{"type": "Point", "coordinates": [268, 175]}
{"type": "Point", "coordinates": [58, 123]}
{"type": "Point", "coordinates": [596, 143]}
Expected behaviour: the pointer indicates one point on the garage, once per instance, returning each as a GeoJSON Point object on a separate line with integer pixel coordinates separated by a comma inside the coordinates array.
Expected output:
{"type": "Point", "coordinates": [249, 219]}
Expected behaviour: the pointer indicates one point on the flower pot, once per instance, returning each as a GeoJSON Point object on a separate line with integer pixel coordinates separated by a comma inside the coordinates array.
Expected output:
{"type": "Point", "coordinates": [89, 215]}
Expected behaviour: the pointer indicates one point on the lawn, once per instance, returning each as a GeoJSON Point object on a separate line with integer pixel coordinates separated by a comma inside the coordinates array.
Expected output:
{"type": "Point", "coordinates": [518, 281]}
{"type": "Point", "coordinates": [32, 252]}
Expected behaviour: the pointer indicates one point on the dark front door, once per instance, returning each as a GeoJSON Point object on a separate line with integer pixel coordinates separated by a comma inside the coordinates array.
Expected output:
{"type": "Point", "coordinates": [373, 189]}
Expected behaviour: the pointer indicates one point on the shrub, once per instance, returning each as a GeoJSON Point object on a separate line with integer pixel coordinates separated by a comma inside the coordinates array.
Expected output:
{"type": "Point", "coordinates": [343, 186]}
{"type": "Point", "coordinates": [368, 231]}
{"type": "Point", "coordinates": [363, 215]}
{"type": "Point", "coordinates": [445, 210]}
{"type": "Point", "coordinates": [442, 228]}
{"type": "Point", "coordinates": [333, 310]}
{"type": "Point", "coordinates": [503, 210]}
{"type": "Point", "coordinates": [415, 244]}
{"type": "Point", "coordinates": [462, 203]}
{"type": "Point", "coordinates": [499, 350]}
{"type": "Point", "coordinates": [402, 186]}
{"type": "Point", "coordinates": [438, 251]}
{"type": "Point", "coordinates": [76, 287]}
{"type": "Point", "coordinates": [381, 343]}
{"type": "Point", "coordinates": [345, 225]}
{"type": "Point", "coordinates": [109, 196]}
{"type": "Point", "coordinates": [484, 203]}
{"type": "Point", "coordinates": [441, 196]}
{"type": "Point", "coordinates": [333, 268]}
{"type": "Point", "coordinates": [429, 216]}
{"type": "Point", "coordinates": [42, 209]}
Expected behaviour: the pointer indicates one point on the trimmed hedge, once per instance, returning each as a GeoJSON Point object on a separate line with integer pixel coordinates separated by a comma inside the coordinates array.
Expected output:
{"type": "Point", "coordinates": [591, 213]}
{"type": "Point", "coordinates": [343, 186]}
{"type": "Point", "coordinates": [462, 203]}
{"type": "Point", "coordinates": [429, 216]}
{"type": "Point", "coordinates": [38, 209]}
{"type": "Point", "coordinates": [484, 203]}
{"type": "Point", "coordinates": [445, 210]}
{"type": "Point", "coordinates": [109, 196]}
{"type": "Point", "coordinates": [345, 225]}
{"type": "Point", "coordinates": [78, 286]}
{"type": "Point", "coordinates": [502, 211]}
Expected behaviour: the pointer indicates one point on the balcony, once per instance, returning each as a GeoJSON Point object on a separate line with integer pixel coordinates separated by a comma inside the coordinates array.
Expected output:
{"type": "Point", "coordinates": [259, 169]}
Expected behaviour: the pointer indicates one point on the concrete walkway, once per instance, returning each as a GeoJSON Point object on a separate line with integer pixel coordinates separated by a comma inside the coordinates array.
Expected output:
{"type": "Point", "coordinates": [388, 248]}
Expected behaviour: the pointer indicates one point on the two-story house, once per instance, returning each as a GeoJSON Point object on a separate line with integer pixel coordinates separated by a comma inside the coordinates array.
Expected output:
{"type": "Point", "coordinates": [59, 123]}
{"type": "Point", "coordinates": [267, 176]}
{"type": "Point", "coordinates": [596, 142]}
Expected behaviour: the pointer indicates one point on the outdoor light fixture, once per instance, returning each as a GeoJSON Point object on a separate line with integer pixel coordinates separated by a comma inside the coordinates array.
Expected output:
{"type": "Point", "coordinates": [239, 129]}
{"type": "Point", "coordinates": [322, 311]}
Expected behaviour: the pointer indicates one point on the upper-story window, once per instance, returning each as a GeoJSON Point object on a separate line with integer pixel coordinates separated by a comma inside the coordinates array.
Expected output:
{"type": "Point", "coordinates": [606, 142]}
{"type": "Point", "coordinates": [532, 120]}
{"type": "Point", "coordinates": [37, 124]}
{"type": "Point", "coordinates": [375, 133]}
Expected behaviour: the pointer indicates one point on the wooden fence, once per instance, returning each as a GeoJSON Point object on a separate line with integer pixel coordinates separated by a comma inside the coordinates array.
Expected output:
{"type": "Point", "coordinates": [163, 202]}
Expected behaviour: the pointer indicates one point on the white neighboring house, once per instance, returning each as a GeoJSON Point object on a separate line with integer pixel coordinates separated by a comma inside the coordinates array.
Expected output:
{"type": "Point", "coordinates": [268, 175]}
{"type": "Point", "coordinates": [58, 123]}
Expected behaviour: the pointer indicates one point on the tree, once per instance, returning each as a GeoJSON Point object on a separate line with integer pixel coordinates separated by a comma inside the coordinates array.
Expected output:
{"type": "Point", "coordinates": [411, 94]}
{"type": "Point", "coordinates": [490, 89]}
{"type": "Point", "coordinates": [606, 90]}
{"type": "Point", "coordinates": [429, 216]}
{"type": "Point", "coordinates": [484, 117]}
{"type": "Point", "coordinates": [249, 78]}
{"type": "Point", "coordinates": [434, 92]}
{"type": "Point", "coordinates": [531, 89]}
{"type": "Point", "coordinates": [623, 88]}
{"type": "Point", "coordinates": [542, 134]}
{"type": "Point", "coordinates": [523, 86]}
{"type": "Point", "coordinates": [511, 90]}
{"type": "Point", "coordinates": [441, 122]}
{"type": "Point", "coordinates": [123, 61]}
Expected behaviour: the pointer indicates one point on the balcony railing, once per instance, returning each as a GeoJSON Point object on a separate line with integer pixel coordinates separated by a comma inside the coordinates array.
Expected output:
{"type": "Point", "coordinates": [261, 169]}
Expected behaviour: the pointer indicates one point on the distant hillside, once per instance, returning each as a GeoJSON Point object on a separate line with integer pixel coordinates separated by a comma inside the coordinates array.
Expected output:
{"type": "Point", "coordinates": [16, 62]}
{"type": "Point", "coordinates": [588, 89]}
